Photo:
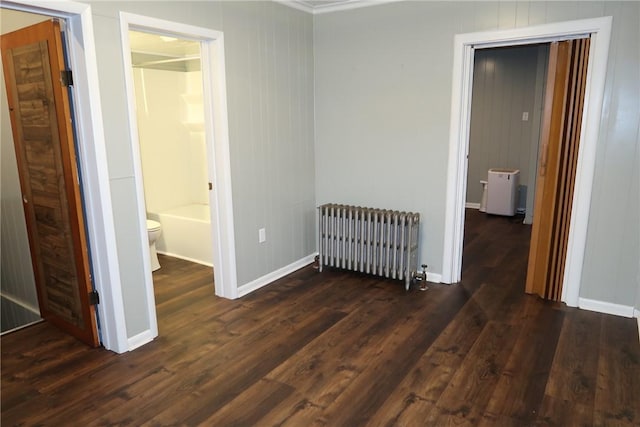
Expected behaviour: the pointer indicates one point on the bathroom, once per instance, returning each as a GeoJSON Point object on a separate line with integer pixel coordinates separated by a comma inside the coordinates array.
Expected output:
{"type": "Point", "coordinates": [173, 150]}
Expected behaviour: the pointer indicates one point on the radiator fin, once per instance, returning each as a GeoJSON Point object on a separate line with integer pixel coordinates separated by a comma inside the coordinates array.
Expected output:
{"type": "Point", "coordinates": [368, 240]}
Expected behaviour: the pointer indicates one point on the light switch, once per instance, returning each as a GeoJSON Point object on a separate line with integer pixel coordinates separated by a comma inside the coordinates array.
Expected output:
{"type": "Point", "coordinates": [525, 116]}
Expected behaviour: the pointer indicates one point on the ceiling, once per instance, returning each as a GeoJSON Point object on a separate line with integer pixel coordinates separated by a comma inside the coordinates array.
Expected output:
{"type": "Point", "coordinates": [142, 42]}
{"type": "Point", "coordinates": [150, 50]}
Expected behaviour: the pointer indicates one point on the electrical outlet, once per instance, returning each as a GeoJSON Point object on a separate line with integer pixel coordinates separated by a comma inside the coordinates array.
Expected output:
{"type": "Point", "coordinates": [262, 235]}
{"type": "Point", "coordinates": [525, 116]}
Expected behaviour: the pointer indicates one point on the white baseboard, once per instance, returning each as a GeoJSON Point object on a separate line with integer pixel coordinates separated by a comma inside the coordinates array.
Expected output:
{"type": "Point", "coordinates": [21, 327]}
{"type": "Point", "coordinates": [606, 307]}
{"type": "Point", "coordinates": [186, 258]}
{"type": "Point", "coordinates": [275, 275]}
{"type": "Point", "coordinates": [25, 305]}
{"type": "Point", "coordinates": [470, 205]}
{"type": "Point", "coordinates": [141, 339]}
{"type": "Point", "coordinates": [434, 277]}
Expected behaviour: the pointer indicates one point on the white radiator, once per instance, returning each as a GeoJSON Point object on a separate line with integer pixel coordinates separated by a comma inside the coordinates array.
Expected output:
{"type": "Point", "coordinates": [373, 241]}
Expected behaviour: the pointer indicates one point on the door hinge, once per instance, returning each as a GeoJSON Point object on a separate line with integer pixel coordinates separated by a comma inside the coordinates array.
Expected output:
{"type": "Point", "coordinates": [94, 298]}
{"type": "Point", "coordinates": [66, 78]}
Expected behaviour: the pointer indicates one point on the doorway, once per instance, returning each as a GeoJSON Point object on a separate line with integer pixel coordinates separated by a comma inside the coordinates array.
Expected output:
{"type": "Point", "coordinates": [173, 151]}
{"type": "Point", "coordinates": [214, 127]}
{"type": "Point", "coordinates": [599, 30]}
{"type": "Point", "coordinates": [91, 161]}
{"type": "Point", "coordinates": [506, 107]}
{"type": "Point", "coordinates": [504, 138]}
{"type": "Point", "coordinates": [39, 93]}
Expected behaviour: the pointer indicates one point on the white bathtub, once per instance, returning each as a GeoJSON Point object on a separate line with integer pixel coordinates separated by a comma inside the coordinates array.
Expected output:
{"type": "Point", "coordinates": [186, 233]}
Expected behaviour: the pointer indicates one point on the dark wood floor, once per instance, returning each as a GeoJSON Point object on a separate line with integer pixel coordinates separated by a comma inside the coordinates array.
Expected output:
{"type": "Point", "coordinates": [342, 349]}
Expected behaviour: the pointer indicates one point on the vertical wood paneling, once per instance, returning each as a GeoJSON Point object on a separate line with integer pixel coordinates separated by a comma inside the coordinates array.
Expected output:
{"type": "Point", "coordinates": [270, 89]}
{"type": "Point", "coordinates": [522, 13]}
{"type": "Point", "coordinates": [537, 13]}
{"type": "Point", "coordinates": [507, 15]}
{"type": "Point", "coordinates": [17, 272]}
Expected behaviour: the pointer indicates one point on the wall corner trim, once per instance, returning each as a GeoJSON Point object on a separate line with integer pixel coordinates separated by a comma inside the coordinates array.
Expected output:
{"type": "Point", "coordinates": [606, 307]}
{"type": "Point", "coordinates": [275, 275]}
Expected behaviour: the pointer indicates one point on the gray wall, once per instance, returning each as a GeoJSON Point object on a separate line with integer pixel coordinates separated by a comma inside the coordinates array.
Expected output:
{"type": "Point", "coordinates": [506, 83]}
{"type": "Point", "coordinates": [16, 272]}
{"type": "Point", "coordinates": [383, 99]}
{"type": "Point", "coordinates": [269, 70]}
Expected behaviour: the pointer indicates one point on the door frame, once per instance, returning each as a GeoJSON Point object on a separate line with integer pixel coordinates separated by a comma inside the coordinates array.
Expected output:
{"type": "Point", "coordinates": [93, 163]}
{"type": "Point", "coordinates": [464, 46]}
{"type": "Point", "coordinates": [217, 142]}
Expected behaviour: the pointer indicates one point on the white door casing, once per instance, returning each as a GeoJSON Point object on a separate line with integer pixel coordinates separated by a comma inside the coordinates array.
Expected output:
{"type": "Point", "coordinates": [599, 29]}
{"type": "Point", "coordinates": [218, 157]}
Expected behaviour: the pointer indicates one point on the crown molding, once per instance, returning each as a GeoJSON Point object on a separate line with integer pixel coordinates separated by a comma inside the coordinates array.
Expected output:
{"type": "Point", "coordinates": [332, 6]}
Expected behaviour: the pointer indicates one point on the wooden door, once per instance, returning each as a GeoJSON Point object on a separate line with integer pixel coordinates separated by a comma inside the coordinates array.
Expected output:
{"type": "Point", "coordinates": [33, 61]}
{"type": "Point", "coordinates": [562, 120]}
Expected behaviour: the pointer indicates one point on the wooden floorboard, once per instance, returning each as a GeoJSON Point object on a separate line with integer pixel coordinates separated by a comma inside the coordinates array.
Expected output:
{"type": "Point", "coordinates": [342, 349]}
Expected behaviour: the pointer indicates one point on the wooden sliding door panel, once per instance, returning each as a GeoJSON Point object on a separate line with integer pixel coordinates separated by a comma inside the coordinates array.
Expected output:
{"type": "Point", "coordinates": [562, 120]}
{"type": "Point", "coordinates": [43, 138]}
{"type": "Point", "coordinates": [545, 205]}
{"type": "Point", "coordinates": [560, 217]}
{"type": "Point", "coordinates": [569, 163]}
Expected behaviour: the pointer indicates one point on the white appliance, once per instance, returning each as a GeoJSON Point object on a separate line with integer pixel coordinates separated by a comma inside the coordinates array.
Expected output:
{"type": "Point", "coordinates": [502, 191]}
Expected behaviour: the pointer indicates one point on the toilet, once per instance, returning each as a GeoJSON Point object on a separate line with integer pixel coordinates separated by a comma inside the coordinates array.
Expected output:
{"type": "Point", "coordinates": [153, 231]}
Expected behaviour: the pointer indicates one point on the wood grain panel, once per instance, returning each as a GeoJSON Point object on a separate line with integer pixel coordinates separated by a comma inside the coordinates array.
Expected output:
{"type": "Point", "coordinates": [42, 173]}
{"type": "Point", "coordinates": [45, 152]}
{"type": "Point", "coordinates": [573, 372]}
{"type": "Point", "coordinates": [470, 389]}
{"type": "Point", "coordinates": [520, 389]}
{"type": "Point", "coordinates": [618, 369]}
{"type": "Point", "coordinates": [556, 175]}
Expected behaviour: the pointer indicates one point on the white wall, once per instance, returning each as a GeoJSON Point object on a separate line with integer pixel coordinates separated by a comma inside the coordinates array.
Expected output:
{"type": "Point", "coordinates": [174, 162]}
{"type": "Point", "coordinates": [383, 100]}
{"type": "Point", "coordinates": [16, 272]}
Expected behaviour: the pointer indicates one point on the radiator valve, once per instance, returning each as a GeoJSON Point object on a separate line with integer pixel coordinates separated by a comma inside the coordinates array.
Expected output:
{"type": "Point", "coordinates": [422, 277]}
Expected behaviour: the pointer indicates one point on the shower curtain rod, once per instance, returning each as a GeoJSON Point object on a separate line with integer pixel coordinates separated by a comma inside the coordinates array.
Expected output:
{"type": "Point", "coordinates": [167, 61]}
